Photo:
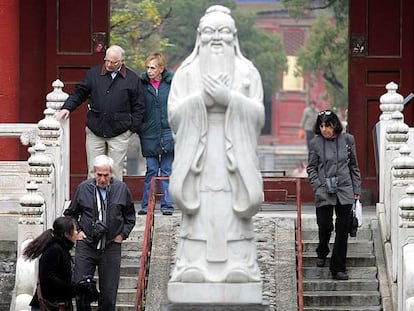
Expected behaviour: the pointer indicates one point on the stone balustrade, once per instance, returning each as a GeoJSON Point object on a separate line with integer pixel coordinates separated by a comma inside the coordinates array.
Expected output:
{"type": "Point", "coordinates": [396, 196]}
{"type": "Point", "coordinates": [46, 185]}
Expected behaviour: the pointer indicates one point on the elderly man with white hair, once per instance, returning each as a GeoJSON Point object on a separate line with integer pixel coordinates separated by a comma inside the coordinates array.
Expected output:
{"type": "Point", "coordinates": [115, 108]}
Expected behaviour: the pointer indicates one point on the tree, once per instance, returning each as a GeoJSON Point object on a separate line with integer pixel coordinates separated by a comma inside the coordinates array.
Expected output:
{"type": "Point", "coordinates": [326, 52]}
{"type": "Point", "coordinates": [327, 49]}
{"type": "Point", "coordinates": [136, 25]}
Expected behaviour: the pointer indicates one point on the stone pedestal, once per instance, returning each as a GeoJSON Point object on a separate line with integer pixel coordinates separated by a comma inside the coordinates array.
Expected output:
{"type": "Point", "coordinates": [215, 293]}
{"type": "Point", "coordinates": [213, 307]}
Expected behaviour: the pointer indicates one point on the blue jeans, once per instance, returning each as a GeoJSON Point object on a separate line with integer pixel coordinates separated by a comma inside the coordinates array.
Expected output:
{"type": "Point", "coordinates": [158, 167]}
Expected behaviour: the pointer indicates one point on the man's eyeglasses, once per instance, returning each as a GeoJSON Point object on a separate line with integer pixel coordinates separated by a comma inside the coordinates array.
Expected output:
{"type": "Point", "coordinates": [325, 112]}
{"type": "Point", "coordinates": [114, 63]}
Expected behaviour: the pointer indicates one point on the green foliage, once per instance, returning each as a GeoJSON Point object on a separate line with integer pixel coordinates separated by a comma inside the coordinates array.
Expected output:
{"type": "Point", "coordinates": [299, 8]}
{"type": "Point", "coordinates": [135, 25]}
{"type": "Point", "coordinates": [181, 27]}
{"type": "Point", "coordinates": [326, 51]}
{"type": "Point", "coordinates": [264, 49]}
{"type": "Point", "coordinates": [170, 26]}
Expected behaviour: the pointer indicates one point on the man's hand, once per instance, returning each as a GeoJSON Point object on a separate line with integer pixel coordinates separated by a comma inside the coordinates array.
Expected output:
{"type": "Point", "coordinates": [118, 239]}
{"type": "Point", "coordinates": [63, 114]}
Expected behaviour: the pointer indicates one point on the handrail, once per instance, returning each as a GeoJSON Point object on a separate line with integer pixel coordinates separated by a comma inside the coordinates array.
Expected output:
{"type": "Point", "coordinates": [146, 248]}
{"type": "Point", "coordinates": [297, 182]}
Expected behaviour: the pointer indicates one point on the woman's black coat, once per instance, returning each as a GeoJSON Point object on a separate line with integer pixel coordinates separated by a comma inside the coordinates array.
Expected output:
{"type": "Point", "coordinates": [55, 272]}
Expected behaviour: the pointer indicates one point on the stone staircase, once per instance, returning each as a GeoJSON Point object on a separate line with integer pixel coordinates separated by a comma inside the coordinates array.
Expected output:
{"type": "Point", "coordinates": [360, 292]}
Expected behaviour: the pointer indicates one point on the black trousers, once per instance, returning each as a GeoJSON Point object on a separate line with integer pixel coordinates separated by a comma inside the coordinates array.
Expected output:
{"type": "Point", "coordinates": [324, 219]}
{"type": "Point", "coordinates": [108, 261]}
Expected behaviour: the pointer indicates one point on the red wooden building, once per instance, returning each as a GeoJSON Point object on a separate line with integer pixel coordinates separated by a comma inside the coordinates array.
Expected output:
{"type": "Point", "coordinates": [43, 40]}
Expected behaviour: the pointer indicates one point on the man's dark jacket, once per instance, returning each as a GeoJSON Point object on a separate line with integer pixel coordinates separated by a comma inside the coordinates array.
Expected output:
{"type": "Point", "coordinates": [156, 135]}
{"type": "Point", "coordinates": [120, 211]}
{"type": "Point", "coordinates": [115, 105]}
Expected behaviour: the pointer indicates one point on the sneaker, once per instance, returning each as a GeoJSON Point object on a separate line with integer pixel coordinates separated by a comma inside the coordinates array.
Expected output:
{"type": "Point", "coordinates": [142, 212]}
{"type": "Point", "coordinates": [320, 262]}
{"type": "Point", "coordinates": [342, 276]}
{"type": "Point", "coordinates": [167, 211]}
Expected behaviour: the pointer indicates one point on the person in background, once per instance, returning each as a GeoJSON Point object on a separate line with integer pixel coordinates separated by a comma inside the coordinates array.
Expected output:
{"type": "Point", "coordinates": [115, 109]}
{"type": "Point", "coordinates": [55, 265]}
{"type": "Point", "coordinates": [157, 143]}
{"type": "Point", "coordinates": [310, 113]}
{"type": "Point", "coordinates": [105, 212]}
{"type": "Point", "coordinates": [336, 182]}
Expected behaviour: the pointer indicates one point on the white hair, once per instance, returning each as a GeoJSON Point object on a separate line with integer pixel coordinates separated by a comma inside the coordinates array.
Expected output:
{"type": "Point", "coordinates": [103, 160]}
{"type": "Point", "coordinates": [116, 49]}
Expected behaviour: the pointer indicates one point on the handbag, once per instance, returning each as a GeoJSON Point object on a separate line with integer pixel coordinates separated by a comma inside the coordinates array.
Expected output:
{"type": "Point", "coordinates": [353, 222]}
{"type": "Point", "coordinates": [46, 305]}
{"type": "Point", "coordinates": [358, 212]}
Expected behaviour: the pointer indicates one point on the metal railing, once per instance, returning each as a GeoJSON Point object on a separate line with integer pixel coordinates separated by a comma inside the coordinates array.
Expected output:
{"type": "Point", "coordinates": [144, 263]}
{"type": "Point", "coordinates": [298, 198]}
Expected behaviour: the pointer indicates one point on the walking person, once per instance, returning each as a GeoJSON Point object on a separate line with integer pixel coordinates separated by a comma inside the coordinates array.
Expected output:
{"type": "Point", "coordinates": [55, 266]}
{"type": "Point", "coordinates": [157, 143]}
{"type": "Point", "coordinates": [115, 109]}
{"type": "Point", "coordinates": [310, 113]}
{"type": "Point", "coordinates": [105, 212]}
{"type": "Point", "coordinates": [335, 179]}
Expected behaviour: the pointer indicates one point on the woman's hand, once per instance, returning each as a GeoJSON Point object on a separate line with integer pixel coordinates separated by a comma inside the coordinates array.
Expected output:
{"type": "Point", "coordinates": [81, 236]}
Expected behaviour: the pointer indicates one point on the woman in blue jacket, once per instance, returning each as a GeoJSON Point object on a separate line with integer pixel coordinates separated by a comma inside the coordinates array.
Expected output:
{"type": "Point", "coordinates": [157, 143]}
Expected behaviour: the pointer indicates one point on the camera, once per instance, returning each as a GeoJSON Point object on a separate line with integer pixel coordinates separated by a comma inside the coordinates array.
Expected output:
{"type": "Point", "coordinates": [331, 184]}
{"type": "Point", "coordinates": [99, 228]}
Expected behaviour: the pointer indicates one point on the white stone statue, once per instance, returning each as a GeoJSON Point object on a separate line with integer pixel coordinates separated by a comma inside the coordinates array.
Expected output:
{"type": "Point", "coordinates": [216, 112]}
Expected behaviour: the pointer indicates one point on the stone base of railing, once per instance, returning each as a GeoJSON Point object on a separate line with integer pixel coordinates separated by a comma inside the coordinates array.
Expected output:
{"type": "Point", "coordinates": [213, 307]}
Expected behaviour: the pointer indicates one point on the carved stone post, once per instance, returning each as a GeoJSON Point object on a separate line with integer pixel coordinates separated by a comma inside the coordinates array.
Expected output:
{"type": "Point", "coordinates": [403, 176]}
{"type": "Point", "coordinates": [389, 102]}
{"type": "Point", "coordinates": [406, 248]}
{"type": "Point", "coordinates": [396, 136]}
{"type": "Point", "coordinates": [30, 225]}
{"type": "Point", "coordinates": [56, 138]}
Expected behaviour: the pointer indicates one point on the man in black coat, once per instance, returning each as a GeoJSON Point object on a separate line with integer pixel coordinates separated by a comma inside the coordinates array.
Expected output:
{"type": "Point", "coordinates": [115, 109]}
{"type": "Point", "coordinates": [105, 213]}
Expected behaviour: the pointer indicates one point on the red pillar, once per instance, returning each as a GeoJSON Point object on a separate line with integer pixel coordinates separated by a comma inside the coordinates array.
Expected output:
{"type": "Point", "coordinates": [9, 64]}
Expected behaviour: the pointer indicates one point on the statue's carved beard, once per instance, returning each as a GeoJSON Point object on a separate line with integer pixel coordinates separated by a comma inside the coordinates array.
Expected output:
{"type": "Point", "coordinates": [217, 63]}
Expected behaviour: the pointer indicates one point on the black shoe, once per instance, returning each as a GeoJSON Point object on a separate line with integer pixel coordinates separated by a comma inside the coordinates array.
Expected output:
{"type": "Point", "coordinates": [142, 212]}
{"type": "Point", "coordinates": [340, 276]}
{"type": "Point", "coordinates": [167, 211]}
{"type": "Point", "coordinates": [320, 262]}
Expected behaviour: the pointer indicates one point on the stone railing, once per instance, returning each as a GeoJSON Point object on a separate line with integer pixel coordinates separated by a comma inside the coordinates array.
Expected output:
{"type": "Point", "coordinates": [395, 208]}
{"type": "Point", "coordinates": [46, 176]}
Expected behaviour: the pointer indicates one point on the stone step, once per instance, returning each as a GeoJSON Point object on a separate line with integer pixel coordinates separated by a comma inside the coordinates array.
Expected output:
{"type": "Point", "coordinates": [119, 306]}
{"type": "Point", "coordinates": [334, 285]}
{"type": "Point", "coordinates": [344, 308]}
{"type": "Point", "coordinates": [353, 273]}
{"type": "Point", "coordinates": [352, 260]}
{"type": "Point", "coordinates": [129, 268]}
{"type": "Point", "coordinates": [126, 296]}
{"type": "Point", "coordinates": [341, 298]}
{"type": "Point", "coordinates": [128, 282]}
{"type": "Point", "coordinates": [354, 246]}
{"type": "Point", "coordinates": [311, 234]}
